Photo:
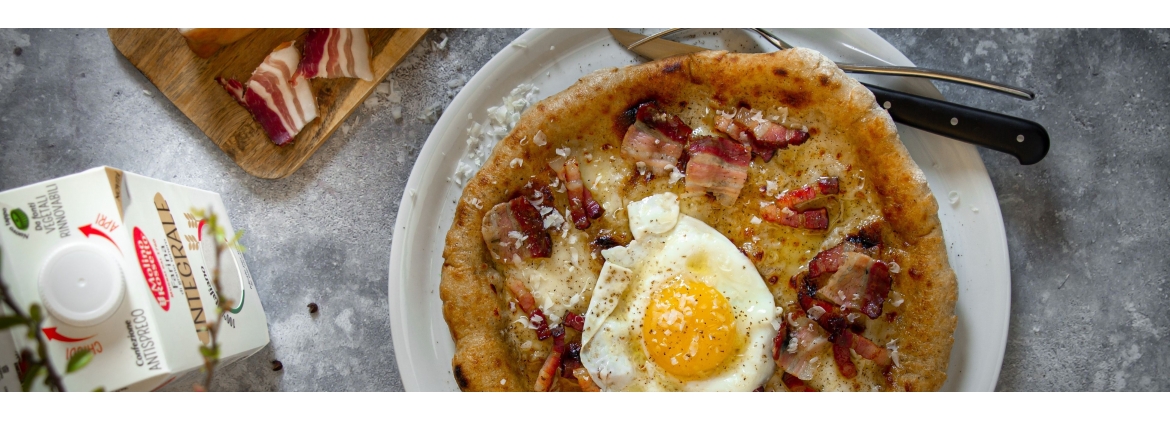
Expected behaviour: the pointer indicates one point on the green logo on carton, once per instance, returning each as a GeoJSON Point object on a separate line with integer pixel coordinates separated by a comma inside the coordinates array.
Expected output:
{"type": "Point", "coordinates": [19, 218]}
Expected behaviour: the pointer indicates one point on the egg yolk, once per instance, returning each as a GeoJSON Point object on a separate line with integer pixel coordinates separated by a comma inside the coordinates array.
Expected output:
{"type": "Point", "coordinates": [689, 329]}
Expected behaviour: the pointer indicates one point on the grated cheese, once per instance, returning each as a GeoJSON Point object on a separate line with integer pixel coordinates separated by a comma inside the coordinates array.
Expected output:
{"type": "Point", "coordinates": [483, 136]}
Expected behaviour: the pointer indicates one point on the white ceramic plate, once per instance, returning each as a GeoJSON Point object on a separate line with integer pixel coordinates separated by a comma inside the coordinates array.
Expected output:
{"type": "Point", "coordinates": [553, 60]}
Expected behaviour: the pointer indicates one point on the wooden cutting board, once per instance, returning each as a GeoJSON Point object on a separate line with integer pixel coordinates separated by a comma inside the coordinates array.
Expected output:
{"type": "Point", "coordinates": [189, 82]}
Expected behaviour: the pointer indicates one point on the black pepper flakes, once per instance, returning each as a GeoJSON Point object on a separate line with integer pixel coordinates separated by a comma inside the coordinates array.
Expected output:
{"type": "Point", "coordinates": [18, 51]}
{"type": "Point", "coordinates": [312, 308]}
{"type": "Point", "coordinates": [277, 365]}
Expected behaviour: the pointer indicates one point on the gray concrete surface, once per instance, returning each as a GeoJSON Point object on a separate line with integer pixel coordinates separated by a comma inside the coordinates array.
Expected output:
{"type": "Point", "coordinates": [1087, 227]}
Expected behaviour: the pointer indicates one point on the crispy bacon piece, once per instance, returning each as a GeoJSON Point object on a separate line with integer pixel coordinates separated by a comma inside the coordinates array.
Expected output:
{"type": "Point", "coordinates": [280, 99]}
{"type": "Point", "coordinates": [668, 125]}
{"type": "Point", "coordinates": [574, 320]}
{"type": "Point", "coordinates": [876, 289]}
{"type": "Point", "coordinates": [547, 376]}
{"type": "Point", "coordinates": [814, 219]}
{"type": "Point", "coordinates": [867, 349]}
{"type": "Point", "coordinates": [582, 207]}
{"type": "Point", "coordinates": [828, 261]}
{"type": "Point", "coordinates": [585, 380]}
{"type": "Point", "coordinates": [658, 152]}
{"type": "Point", "coordinates": [849, 283]}
{"type": "Point", "coordinates": [527, 304]}
{"type": "Point", "coordinates": [857, 282]}
{"type": "Point", "coordinates": [803, 207]}
{"type": "Point", "coordinates": [810, 341]}
{"type": "Point", "coordinates": [523, 296]}
{"type": "Point", "coordinates": [842, 357]}
{"type": "Point", "coordinates": [334, 53]}
{"type": "Point", "coordinates": [795, 384]}
{"type": "Point", "coordinates": [539, 194]}
{"type": "Point", "coordinates": [514, 231]}
{"type": "Point", "coordinates": [764, 135]}
{"type": "Point", "coordinates": [206, 41]}
{"type": "Point", "coordinates": [718, 167]}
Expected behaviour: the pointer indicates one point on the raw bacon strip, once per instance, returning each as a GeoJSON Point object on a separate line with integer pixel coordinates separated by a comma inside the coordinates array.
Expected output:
{"type": "Point", "coordinates": [514, 231]}
{"type": "Point", "coordinates": [668, 125]}
{"type": "Point", "coordinates": [582, 207]}
{"type": "Point", "coordinates": [206, 41]}
{"type": "Point", "coordinates": [656, 150]}
{"type": "Point", "coordinates": [717, 166]}
{"type": "Point", "coordinates": [277, 97]}
{"type": "Point", "coordinates": [765, 136]}
{"type": "Point", "coordinates": [334, 53]}
{"type": "Point", "coordinates": [235, 88]}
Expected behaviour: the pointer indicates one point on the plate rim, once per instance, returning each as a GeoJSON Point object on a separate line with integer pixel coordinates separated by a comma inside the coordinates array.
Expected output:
{"type": "Point", "coordinates": [410, 194]}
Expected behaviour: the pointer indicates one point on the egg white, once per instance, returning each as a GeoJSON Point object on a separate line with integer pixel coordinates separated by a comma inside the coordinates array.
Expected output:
{"type": "Point", "coordinates": [668, 245]}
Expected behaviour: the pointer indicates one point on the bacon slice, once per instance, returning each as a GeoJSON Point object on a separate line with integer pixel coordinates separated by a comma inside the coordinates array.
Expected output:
{"type": "Point", "coordinates": [514, 231]}
{"type": "Point", "coordinates": [850, 282]}
{"type": "Point", "coordinates": [585, 380]}
{"type": "Point", "coordinates": [644, 144]}
{"type": "Point", "coordinates": [547, 375]}
{"type": "Point", "coordinates": [574, 320]}
{"type": "Point", "coordinates": [794, 384]}
{"type": "Point", "coordinates": [528, 305]}
{"type": "Point", "coordinates": [843, 359]}
{"type": "Point", "coordinates": [813, 219]}
{"type": "Point", "coordinates": [279, 98]}
{"type": "Point", "coordinates": [810, 342]}
{"type": "Point", "coordinates": [206, 41]}
{"type": "Point", "coordinates": [876, 290]}
{"type": "Point", "coordinates": [803, 207]}
{"type": "Point", "coordinates": [582, 207]}
{"type": "Point", "coordinates": [334, 53]}
{"type": "Point", "coordinates": [669, 125]}
{"type": "Point", "coordinates": [858, 280]}
{"type": "Point", "coordinates": [764, 135]}
{"type": "Point", "coordinates": [867, 349]}
{"type": "Point", "coordinates": [717, 166]}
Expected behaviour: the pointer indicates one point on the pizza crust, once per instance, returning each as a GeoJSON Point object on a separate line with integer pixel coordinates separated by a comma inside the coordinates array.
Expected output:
{"type": "Point", "coordinates": [812, 89]}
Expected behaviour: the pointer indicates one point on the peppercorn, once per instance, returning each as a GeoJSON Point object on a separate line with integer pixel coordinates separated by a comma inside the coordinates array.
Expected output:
{"type": "Point", "coordinates": [312, 308]}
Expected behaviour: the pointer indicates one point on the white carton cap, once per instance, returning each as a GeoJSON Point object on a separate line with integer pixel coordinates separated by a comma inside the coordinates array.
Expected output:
{"type": "Point", "coordinates": [81, 283]}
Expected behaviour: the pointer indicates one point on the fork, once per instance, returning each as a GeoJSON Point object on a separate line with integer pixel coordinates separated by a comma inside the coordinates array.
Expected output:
{"type": "Point", "coordinates": [884, 70]}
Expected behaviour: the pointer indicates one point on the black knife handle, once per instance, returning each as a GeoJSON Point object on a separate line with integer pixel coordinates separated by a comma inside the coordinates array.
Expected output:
{"type": "Point", "coordinates": [1023, 139]}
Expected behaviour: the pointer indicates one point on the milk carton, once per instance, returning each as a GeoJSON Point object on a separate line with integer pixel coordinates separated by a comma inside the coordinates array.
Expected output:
{"type": "Point", "coordinates": [121, 265]}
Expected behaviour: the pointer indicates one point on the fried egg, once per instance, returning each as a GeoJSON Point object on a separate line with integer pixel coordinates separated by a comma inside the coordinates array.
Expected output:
{"type": "Point", "coordinates": [679, 308]}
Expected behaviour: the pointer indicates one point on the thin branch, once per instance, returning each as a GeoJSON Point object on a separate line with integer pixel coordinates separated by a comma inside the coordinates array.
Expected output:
{"type": "Point", "coordinates": [53, 379]}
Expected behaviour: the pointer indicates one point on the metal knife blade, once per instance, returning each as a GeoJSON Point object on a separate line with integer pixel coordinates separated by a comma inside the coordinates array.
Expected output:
{"type": "Point", "coordinates": [655, 49]}
{"type": "Point", "coordinates": [1026, 140]}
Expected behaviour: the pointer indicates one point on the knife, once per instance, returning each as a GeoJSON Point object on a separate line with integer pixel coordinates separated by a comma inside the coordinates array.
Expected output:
{"type": "Point", "coordinates": [1026, 140]}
